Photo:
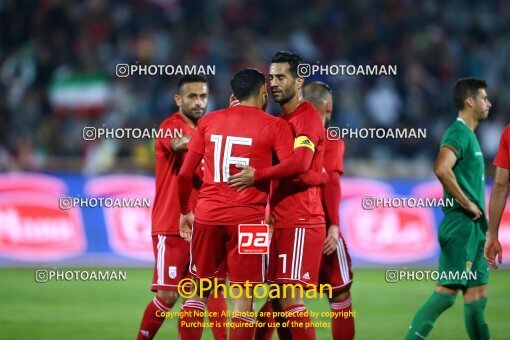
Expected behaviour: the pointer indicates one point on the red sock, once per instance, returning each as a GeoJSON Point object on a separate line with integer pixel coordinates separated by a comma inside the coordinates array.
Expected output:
{"type": "Point", "coordinates": [342, 326]}
{"type": "Point", "coordinates": [243, 328]}
{"type": "Point", "coordinates": [297, 323]}
{"type": "Point", "coordinates": [265, 332]}
{"type": "Point", "coordinates": [283, 332]}
{"type": "Point", "coordinates": [218, 304]}
{"type": "Point", "coordinates": [188, 331]}
{"type": "Point", "coordinates": [151, 322]}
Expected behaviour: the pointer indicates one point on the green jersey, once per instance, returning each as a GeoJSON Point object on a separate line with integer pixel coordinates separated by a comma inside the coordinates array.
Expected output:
{"type": "Point", "coordinates": [469, 169]}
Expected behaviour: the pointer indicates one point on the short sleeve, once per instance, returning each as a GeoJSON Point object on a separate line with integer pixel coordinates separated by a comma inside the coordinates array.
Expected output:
{"type": "Point", "coordinates": [456, 139]}
{"type": "Point", "coordinates": [501, 160]}
{"type": "Point", "coordinates": [283, 139]}
{"type": "Point", "coordinates": [197, 142]}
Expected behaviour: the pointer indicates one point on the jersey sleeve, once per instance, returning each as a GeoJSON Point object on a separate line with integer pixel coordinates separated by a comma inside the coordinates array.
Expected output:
{"type": "Point", "coordinates": [332, 193]}
{"type": "Point", "coordinates": [311, 178]}
{"type": "Point", "coordinates": [283, 139]}
{"type": "Point", "coordinates": [457, 140]}
{"type": "Point", "coordinates": [197, 142]}
{"type": "Point", "coordinates": [185, 180]}
{"type": "Point", "coordinates": [306, 126]}
{"type": "Point", "coordinates": [165, 141]}
{"type": "Point", "coordinates": [333, 156]}
{"type": "Point", "coordinates": [501, 160]}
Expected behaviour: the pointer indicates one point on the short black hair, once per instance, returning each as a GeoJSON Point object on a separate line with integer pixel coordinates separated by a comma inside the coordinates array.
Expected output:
{"type": "Point", "coordinates": [293, 59]}
{"type": "Point", "coordinates": [316, 91]}
{"type": "Point", "coordinates": [246, 83]}
{"type": "Point", "coordinates": [190, 79]}
{"type": "Point", "coordinates": [466, 87]}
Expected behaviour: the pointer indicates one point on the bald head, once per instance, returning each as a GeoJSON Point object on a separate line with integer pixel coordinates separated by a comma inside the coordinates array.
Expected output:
{"type": "Point", "coordinates": [319, 94]}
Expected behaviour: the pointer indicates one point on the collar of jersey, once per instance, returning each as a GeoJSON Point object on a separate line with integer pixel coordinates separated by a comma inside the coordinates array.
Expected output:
{"type": "Point", "coordinates": [461, 120]}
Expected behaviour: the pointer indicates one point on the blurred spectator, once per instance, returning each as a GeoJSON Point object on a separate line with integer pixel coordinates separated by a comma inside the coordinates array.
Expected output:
{"type": "Point", "coordinates": [383, 103]}
{"type": "Point", "coordinates": [58, 52]}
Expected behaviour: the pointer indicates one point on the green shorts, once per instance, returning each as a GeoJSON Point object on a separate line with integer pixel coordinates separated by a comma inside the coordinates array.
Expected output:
{"type": "Point", "coordinates": [462, 240]}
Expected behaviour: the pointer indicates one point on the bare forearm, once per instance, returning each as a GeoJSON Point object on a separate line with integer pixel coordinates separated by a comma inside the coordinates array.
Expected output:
{"type": "Point", "coordinates": [449, 182]}
{"type": "Point", "coordinates": [497, 203]}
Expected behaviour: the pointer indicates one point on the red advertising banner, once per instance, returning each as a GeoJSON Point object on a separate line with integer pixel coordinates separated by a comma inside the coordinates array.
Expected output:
{"type": "Point", "coordinates": [32, 226]}
{"type": "Point", "coordinates": [388, 235]}
{"type": "Point", "coordinates": [128, 228]}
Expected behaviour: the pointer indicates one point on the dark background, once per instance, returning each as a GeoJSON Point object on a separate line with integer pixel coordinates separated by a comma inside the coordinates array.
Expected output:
{"type": "Point", "coordinates": [433, 43]}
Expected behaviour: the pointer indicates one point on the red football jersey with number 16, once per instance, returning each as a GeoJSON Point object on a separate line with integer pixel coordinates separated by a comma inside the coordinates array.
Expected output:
{"type": "Point", "coordinates": [236, 135]}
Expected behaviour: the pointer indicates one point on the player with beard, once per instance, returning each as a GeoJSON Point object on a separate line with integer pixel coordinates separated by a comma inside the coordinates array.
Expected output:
{"type": "Point", "coordinates": [336, 263]}
{"type": "Point", "coordinates": [299, 224]}
{"type": "Point", "coordinates": [170, 250]}
{"type": "Point", "coordinates": [240, 134]}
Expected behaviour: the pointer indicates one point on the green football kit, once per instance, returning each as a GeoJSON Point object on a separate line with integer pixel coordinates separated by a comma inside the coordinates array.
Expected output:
{"type": "Point", "coordinates": [462, 240]}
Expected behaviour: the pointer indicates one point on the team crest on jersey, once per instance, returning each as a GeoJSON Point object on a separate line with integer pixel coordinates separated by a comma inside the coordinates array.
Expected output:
{"type": "Point", "coordinates": [468, 266]}
{"type": "Point", "coordinates": [172, 272]}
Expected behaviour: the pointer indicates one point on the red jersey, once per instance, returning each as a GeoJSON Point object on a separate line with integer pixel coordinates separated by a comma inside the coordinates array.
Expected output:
{"type": "Point", "coordinates": [331, 191]}
{"type": "Point", "coordinates": [293, 205]}
{"type": "Point", "coordinates": [334, 155]}
{"type": "Point", "coordinates": [236, 135]}
{"type": "Point", "coordinates": [165, 212]}
{"type": "Point", "coordinates": [502, 159]}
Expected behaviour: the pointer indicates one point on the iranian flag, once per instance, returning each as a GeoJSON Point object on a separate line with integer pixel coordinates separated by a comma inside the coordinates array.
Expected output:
{"type": "Point", "coordinates": [80, 94]}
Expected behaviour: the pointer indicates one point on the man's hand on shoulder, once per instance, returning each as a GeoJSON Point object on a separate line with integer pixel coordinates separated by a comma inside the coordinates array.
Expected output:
{"type": "Point", "coordinates": [243, 179]}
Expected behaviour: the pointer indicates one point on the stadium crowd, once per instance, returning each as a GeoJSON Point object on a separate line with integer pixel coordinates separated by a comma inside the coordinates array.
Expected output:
{"type": "Point", "coordinates": [47, 45]}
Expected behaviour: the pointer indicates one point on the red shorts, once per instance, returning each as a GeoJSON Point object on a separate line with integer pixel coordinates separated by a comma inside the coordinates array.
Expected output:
{"type": "Point", "coordinates": [295, 255]}
{"type": "Point", "coordinates": [213, 245]}
{"type": "Point", "coordinates": [172, 262]}
{"type": "Point", "coordinates": [336, 268]}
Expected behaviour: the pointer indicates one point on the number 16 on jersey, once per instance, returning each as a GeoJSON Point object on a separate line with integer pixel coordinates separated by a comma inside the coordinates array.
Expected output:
{"type": "Point", "coordinates": [228, 159]}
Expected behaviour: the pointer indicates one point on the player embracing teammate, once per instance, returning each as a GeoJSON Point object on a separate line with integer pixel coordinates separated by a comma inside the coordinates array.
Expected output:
{"type": "Point", "coordinates": [243, 134]}
{"type": "Point", "coordinates": [295, 204]}
{"type": "Point", "coordinates": [245, 137]}
{"type": "Point", "coordinates": [335, 268]}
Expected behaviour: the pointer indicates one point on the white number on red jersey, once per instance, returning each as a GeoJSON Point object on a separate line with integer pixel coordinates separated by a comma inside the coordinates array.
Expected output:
{"type": "Point", "coordinates": [228, 159]}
